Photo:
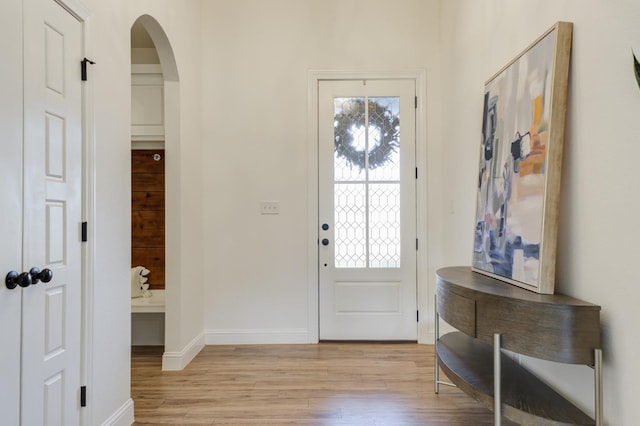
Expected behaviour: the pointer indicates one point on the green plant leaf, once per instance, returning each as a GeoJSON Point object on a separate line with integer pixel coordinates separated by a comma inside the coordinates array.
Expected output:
{"type": "Point", "coordinates": [636, 68]}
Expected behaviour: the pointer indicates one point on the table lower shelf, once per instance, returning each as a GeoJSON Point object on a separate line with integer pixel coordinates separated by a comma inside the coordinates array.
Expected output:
{"type": "Point", "coordinates": [468, 363]}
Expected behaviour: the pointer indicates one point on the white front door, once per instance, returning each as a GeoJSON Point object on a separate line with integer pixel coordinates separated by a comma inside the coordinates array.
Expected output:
{"type": "Point", "coordinates": [52, 173]}
{"type": "Point", "coordinates": [367, 210]}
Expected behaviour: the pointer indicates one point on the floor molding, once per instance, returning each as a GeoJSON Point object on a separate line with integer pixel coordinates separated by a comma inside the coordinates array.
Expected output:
{"type": "Point", "coordinates": [123, 416]}
{"type": "Point", "coordinates": [257, 336]}
{"type": "Point", "coordinates": [179, 360]}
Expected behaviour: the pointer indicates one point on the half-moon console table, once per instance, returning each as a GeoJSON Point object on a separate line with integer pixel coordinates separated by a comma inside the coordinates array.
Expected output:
{"type": "Point", "coordinates": [492, 315]}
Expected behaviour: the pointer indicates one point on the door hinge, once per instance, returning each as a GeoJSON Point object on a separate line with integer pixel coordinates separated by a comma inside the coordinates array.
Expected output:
{"type": "Point", "coordinates": [84, 232]}
{"type": "Point", "coordinates": [416, 244]}
{"type": "Point", "coordinates": [416, 102]}
{"type": "Point", "coordinates": [83, 396]}
{"type": "Point", "coordinates": [83, 68]}
{"type": "Point", "coordinates": [417, 316]}
{"type": "Point", "coordinates": [416, 173]}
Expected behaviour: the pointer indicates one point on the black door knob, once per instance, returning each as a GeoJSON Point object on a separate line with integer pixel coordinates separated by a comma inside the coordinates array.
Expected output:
{"type": "Point", "coordinates": [37, 275]}
{"type": "Point", "coordinates": [325, 242]}
{"type": "Point", "coordinates": [325, 227]}
{"type": "Point", "coordinates": [13, 279]}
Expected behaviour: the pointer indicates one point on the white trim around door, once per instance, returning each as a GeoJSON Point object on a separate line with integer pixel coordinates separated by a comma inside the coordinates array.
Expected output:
{"type": "Point", "coordinates": [83, 14]}
{"type": "Point", "coordinates": [314, 77]}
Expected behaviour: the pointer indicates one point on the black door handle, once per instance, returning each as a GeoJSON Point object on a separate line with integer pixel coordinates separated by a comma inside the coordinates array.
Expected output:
{"type": "Point", "coordinates": [37, 275]}
{"type": "Point", "coordinates": [25, 279]}
{"type": "Point", "coordinates": [13, 279]}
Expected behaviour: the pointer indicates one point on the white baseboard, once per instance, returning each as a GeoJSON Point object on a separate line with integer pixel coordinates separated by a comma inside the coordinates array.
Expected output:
{"type": "Point", "coordinates": [123, 416]}
{"type": "Point", "coordinates": [263, 336]}
{"type": "Point", "coordinates": [428, 338]}
{"type": "Point", "coordinates": [179, 360]}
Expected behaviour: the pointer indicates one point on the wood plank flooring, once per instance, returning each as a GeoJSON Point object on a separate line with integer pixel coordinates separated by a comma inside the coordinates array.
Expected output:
{"type": "Point", "coordinates": [326, 384]}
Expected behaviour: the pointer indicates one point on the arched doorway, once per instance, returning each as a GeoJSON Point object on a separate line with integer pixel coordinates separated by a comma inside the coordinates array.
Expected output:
{"type": "Point", "coordinates": [147, 32]}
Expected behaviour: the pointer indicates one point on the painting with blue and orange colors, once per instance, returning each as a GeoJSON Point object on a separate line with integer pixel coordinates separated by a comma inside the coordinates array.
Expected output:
{"type": "Point", "coordinates": [515, 165]}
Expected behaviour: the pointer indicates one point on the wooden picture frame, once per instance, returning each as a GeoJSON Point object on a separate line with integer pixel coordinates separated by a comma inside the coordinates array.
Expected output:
{"type": "Point", "coordinates": [518, 182]}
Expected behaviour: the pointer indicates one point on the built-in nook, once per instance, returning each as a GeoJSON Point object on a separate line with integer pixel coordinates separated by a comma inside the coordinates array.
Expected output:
{"type": "Point", "coordinates": [147, 214]}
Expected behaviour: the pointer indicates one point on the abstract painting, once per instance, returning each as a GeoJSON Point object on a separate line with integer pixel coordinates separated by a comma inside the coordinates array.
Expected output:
{"type": "Point", "coordinates": [518, 182]}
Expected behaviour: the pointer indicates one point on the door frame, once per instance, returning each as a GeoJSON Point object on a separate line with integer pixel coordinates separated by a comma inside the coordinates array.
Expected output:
{"type": "Point", "coordinates": [313, 284]}
{"type": "Point", "coordinates": [83, 14]}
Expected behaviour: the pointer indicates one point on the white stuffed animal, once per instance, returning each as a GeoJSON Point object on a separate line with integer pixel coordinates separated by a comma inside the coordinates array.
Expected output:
{"type": "Point", "coordinates": [139, 280]}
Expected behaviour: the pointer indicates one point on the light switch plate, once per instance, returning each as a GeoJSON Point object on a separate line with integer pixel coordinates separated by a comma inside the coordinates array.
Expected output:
{"type": "Point", "coordinates": [270, 207]}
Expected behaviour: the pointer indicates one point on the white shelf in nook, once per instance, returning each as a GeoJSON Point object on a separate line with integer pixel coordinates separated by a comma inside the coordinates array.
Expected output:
{"type": "Point", "coordinates": [153, 304]}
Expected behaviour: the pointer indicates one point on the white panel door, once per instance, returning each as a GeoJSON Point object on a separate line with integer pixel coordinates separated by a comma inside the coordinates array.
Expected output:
{"type": "Point", "coordinates": [11, 216]}
{"type": "Point", "coordinates": [51, 312]}
{"type": "Point", "coordinates": [367, 210]}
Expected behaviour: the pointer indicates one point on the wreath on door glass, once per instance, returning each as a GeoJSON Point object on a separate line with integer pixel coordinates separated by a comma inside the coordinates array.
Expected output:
{"type": "Point", "coordinates": [381, 148]}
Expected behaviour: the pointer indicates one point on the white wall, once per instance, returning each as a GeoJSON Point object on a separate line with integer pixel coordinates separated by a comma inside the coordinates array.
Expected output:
{"type": "Point", "coordinates": [244, 75]}
{"type": "Point", "coordinates": [144, 55]}
{"type": "Point", "coordinates": [184, 262]}
{"type": "Point", "coordinates": [256, 59]}
{"type": "Point", "coordinates": [109, 46]}
{"type": "Point", "coordinates": [597, 242]}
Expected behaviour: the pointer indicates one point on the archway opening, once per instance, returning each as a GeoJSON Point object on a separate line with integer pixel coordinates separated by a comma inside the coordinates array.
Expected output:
{"type": "Point", "coordinates": [155, 173]}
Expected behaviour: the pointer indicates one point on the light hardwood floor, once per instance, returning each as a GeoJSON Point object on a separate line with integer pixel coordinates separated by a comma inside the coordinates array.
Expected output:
{"type": "Point", "coordinates": [326, 384]}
